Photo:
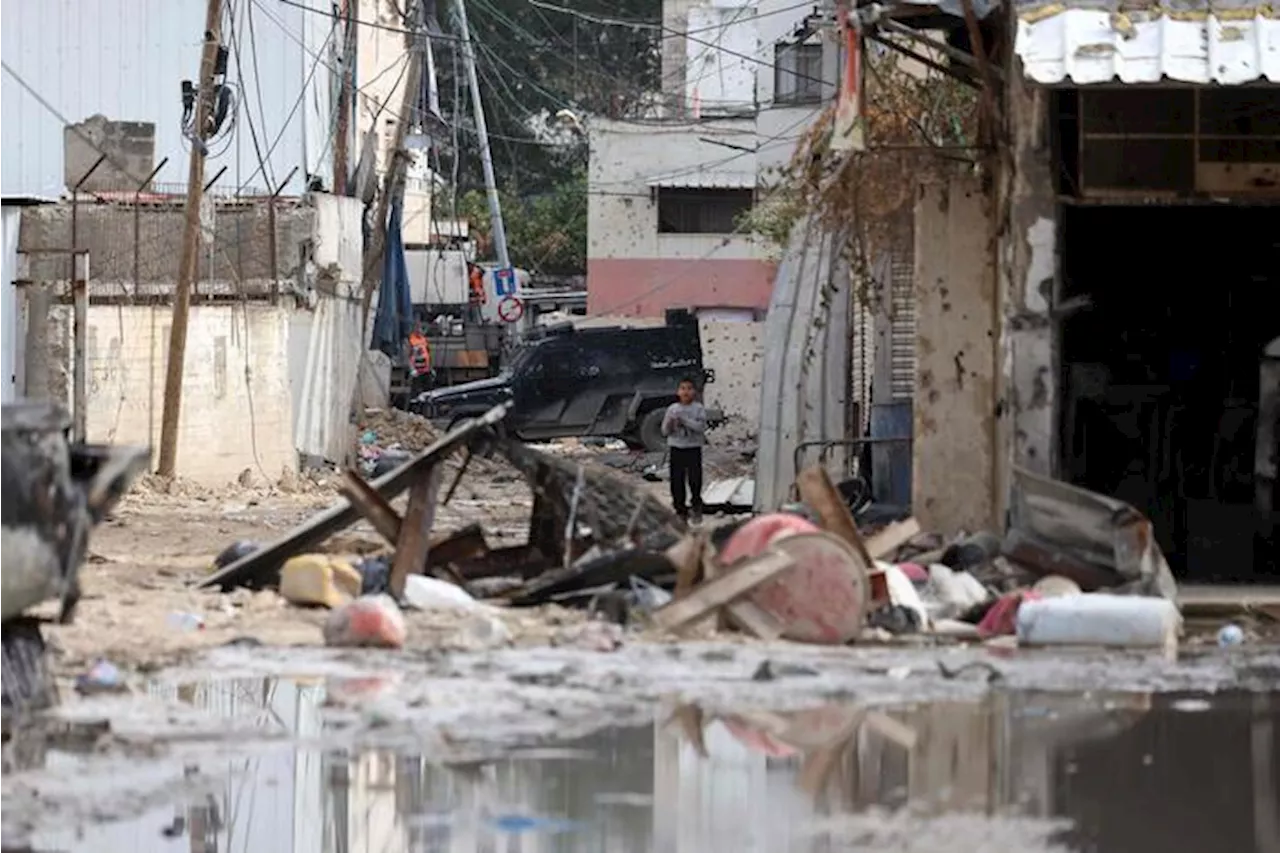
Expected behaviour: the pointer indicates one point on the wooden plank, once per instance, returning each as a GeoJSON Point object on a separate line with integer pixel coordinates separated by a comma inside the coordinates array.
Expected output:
{"type": "Point", "coordinates": [711, 570]}
{"type": "Point", "coordinates": [461, 544]}
{"type": "Point", "coordinates": [371, 505]}
{"type": "Point", "coordinates": [743, 613]}
{"type": "Point", "coordinates": [755, 620]}
{"type": "Point", "coordinates": [686, 556]}
{"type": "Point", "coordinates": [892, 730]}
{"type": "Point", "coordinates": [262, 567]}
{"type": "Point", "coordinates": [884, 542]}
{"type": "Point", "coordinates": [725, 589]}
{"type": "Point", "coordinates": [414, 542]}
{"type": "Point", "coordinates": [465, 544]}
{"type": "Point", "coordinates": [817, 490]}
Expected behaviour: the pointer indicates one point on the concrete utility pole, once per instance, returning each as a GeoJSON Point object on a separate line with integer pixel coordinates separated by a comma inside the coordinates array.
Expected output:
{"type": "Point", "coordinates": [482, 130]}
{"type": "Point", "coordinates": [190, 245]}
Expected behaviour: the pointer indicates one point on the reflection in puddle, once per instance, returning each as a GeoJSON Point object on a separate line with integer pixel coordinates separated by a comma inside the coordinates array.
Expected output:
{"type": "Point", "coordinates": [1124, 772]}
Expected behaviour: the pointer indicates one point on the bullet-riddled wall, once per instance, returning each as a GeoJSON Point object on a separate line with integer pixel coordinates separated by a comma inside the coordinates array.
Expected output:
{"type": "Point", "coordinates": [954, 435]}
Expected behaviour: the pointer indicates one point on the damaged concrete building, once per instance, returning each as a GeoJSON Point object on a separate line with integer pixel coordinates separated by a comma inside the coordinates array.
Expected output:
{"type": "Point", "coordinates": [274, 335]}
{"type": "Point", "coordinates": [274, 329]}
{"type": "Point", "coordinates": [1095, 299]}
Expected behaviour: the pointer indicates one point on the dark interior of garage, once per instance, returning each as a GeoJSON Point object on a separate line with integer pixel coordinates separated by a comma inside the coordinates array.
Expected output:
{"type": "Point", "coordinates": [1170, 309]}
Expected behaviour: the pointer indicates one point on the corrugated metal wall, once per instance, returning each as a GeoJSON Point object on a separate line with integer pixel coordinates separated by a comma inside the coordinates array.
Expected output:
{"type": "Point", "coordinates": [903, 323]}
{"type": "Point", "coordinates": [125, 59]}
{"type": "Point", "coordinates": [862, 360]}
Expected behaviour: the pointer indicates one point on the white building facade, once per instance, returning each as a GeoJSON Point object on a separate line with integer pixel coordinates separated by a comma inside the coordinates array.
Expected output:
{"type": "Point", "coordinates": [741, 83]}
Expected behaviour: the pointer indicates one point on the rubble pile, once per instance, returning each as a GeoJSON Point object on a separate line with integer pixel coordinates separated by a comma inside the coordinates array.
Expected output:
{"type": "Point", "coordinates": [1074, 568]}
{"type": "Point", "coordinates": [399, 429]}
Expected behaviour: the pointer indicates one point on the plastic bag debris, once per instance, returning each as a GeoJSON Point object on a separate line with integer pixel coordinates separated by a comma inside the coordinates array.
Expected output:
{"type": "Point", "coordinates": [647, 596]}
{"type": "Point", "coordinates": [102, 677]}
{"type": "Point", "coordinates": [234, 553]}
{"type": "Point", "coordinates": [375, 574]}
{"type": "Point", "coordinates": [183, 621]}
{"type": "Point", "coordinates": [424, 593]}
{"type": "Point", "coordinates": [369, 621]}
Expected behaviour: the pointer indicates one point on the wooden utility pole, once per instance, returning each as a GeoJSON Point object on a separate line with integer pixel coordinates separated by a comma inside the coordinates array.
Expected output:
{"type": "Point", "coordinates": [343, 131]}
{"type": "Point", "coordinates": [190, 245]}
{"type": "Point", "coordinates": [393, 182]}
{"type": "Point", "coordinates": [397, 165]}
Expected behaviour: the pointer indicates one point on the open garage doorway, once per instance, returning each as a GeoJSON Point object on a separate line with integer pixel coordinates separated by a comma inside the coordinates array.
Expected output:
{"type": "Point", "coordinates": [1168, 310]}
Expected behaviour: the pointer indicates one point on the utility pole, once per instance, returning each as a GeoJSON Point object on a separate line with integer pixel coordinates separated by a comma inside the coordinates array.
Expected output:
{"type": "Point", "coordinates": [343, 131]}
{"type": "Point", "coordinates": [397, 168]}
{"type": "Point", "coordinates": [392, 185]}
{"type": "Point", "coordinates": [190, 244]}
{"type": "Point", "coordinates": [482, 130]}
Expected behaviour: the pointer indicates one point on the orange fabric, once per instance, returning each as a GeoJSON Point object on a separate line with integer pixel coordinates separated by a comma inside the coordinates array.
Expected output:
{"type": "Point", "coordinates": [419, 353]}
{"type": "Point", "coordinates": [476, 280]}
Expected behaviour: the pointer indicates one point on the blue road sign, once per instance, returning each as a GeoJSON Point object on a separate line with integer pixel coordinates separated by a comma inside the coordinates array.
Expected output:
{"type": "Point", "coordinates": [504, 281]}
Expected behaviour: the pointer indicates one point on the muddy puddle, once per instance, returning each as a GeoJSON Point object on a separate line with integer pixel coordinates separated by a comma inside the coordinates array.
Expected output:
{"type": "Point", "coordinates": [1016, 771]}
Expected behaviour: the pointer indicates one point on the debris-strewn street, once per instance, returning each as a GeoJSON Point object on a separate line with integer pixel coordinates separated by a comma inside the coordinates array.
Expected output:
{"type": "Point", "coordinates": [640, 426]}
{"type": "Point", "coordinates": [170, 680]}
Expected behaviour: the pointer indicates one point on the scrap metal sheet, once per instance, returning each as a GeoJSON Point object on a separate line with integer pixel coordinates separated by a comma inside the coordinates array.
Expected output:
{"type": "Point", "coordinates": [1084, 44]}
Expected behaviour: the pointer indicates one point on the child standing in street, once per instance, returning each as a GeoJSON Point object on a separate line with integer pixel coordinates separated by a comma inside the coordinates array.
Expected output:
{"type": "Point", "coordinates": [685, 426]}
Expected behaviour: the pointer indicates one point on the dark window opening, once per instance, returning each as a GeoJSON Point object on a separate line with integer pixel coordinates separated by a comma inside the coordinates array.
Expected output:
{"type": "Point", "coordinates": [1161, 391]}
{"type": "Point", "coordinates": [701, 211]}
{"type": "Point", "coordinates": [797, 75]}
{"type": "Point", "coordinates": [1174, 142]}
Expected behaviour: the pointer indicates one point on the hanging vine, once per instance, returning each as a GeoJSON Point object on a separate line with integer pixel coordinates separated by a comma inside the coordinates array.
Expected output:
{"type": "Point", "coordinates": [918, 124]}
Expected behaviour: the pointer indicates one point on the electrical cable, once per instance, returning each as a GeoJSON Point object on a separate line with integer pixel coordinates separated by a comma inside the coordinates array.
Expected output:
{"type": "Point", "coordinates": [44, 102]}
{"type": "Point", "coordinates": [675, 33]}
{"type": "Point", "coordinates": [444, 37]}
{"type": "Point", "coordinates": [257, 85]}
{"type": "Point", "coordinates": [373, 25]}
{"type": "Point", "coordinates": [306, 86]}
{"type": "Point", "coordinates": [520, 31]}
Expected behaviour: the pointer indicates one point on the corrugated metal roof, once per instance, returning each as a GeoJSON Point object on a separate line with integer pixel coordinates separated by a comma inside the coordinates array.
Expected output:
{"type": "Point", "coordinates": [1189, 42]}
{"type": "Point", "coordinates": [706, 180]}
{"type": "Point", "coordinates": [124, 59]}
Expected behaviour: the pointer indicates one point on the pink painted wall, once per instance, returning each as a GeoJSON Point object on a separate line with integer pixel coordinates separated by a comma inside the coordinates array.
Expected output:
{"type": "Point", "coordinates": [646, 287]}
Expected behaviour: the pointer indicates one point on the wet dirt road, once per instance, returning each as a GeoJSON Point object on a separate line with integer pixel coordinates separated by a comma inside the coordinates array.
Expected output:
{"type": "Point", "coordinates": [703, 747]}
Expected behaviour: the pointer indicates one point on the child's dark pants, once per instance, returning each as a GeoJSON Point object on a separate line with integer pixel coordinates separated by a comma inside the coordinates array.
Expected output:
{"type": "Point", "coordinates": [686, 473]}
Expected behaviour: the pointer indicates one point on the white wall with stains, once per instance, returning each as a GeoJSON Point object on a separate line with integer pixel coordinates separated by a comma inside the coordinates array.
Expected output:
{"type": "Point", "coordinates": [954, 434]}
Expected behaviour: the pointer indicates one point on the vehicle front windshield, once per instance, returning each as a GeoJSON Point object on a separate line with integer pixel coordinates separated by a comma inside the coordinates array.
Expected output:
{"type": "Point", "coordinates": [519, 359]}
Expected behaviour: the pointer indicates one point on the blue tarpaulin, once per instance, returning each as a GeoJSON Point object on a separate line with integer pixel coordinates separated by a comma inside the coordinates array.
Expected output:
{"type": "Point", "coordinates": [394, 320]}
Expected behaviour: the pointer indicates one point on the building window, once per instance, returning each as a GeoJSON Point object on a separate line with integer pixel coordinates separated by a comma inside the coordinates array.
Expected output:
{"type": "Point", "coordinates": [701, 211]}
{"type": "Point", "coordinates": [1176, 141]}
{"type": "Point", "coordinates": [797, 73]}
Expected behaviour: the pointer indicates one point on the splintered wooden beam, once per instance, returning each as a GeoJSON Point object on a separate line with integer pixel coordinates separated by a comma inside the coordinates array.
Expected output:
{"type": "Point", "coordinates": [818, 492]}
{"type": "Point", "coordinates": [462, 544]}
{"type": "Point", "coordinates": [884, 542]}
{"type": "Point", "coordinates": [414, 541]}
{"type": "Point", "coordinates": [262, 567]}
{"type": "Point", "coordinates": [373, 506]}
{"type": "Point", "coordinates": [724, 589]}
{"type": "Point", "coordinates": [743, 613]}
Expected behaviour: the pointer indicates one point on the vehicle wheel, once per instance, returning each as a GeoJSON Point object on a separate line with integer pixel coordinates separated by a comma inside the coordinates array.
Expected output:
{"type": "Point", "coordinates": [651, 431]}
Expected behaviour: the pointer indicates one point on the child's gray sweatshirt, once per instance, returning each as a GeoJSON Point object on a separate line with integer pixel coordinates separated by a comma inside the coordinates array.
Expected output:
{"type": "Point", "coordinates": [685, 425]}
